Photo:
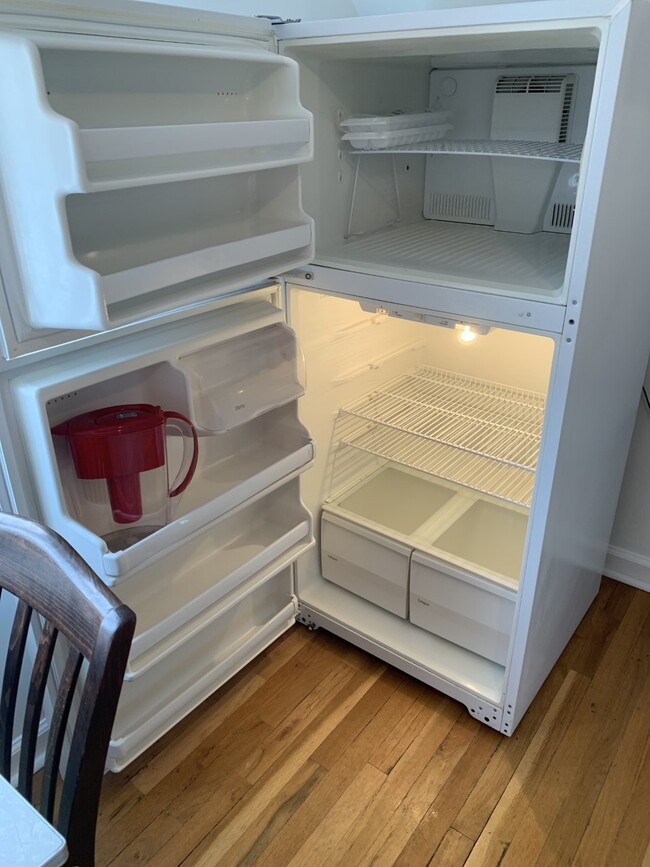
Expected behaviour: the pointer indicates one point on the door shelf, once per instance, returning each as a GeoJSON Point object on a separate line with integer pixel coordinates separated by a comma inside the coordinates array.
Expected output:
{"type": "Point", "coordinates": [133, 188]}
{"type": "Point", "coordinates": [139, 280]}
{"type": "Point", "coordinates": [205, 578]}
{"type": "Point", "coordinates": [118, 117]}
{"type": "Point", "coordinates": [532, 150]}
{"type": "Point", "coordinates": [474, 433]}
{"type": "Point", "coordinates": [237, 380]}
{"type": "Point", "coordinates": [151, 705]}
{"type": "Point", "coordinates": [116, 157]}
{"type": "Point", "coordinates": [231, 470]}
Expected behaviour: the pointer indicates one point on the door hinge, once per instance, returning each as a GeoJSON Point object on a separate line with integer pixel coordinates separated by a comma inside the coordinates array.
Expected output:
{"type": "Point", "coordinates": [306, 620]}
{"type": "Point", "coordinates": [277, 19]}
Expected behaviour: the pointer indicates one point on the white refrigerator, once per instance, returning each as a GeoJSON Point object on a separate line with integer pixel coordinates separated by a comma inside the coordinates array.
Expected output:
{"type": "Point", "coordinates": [393, 273]}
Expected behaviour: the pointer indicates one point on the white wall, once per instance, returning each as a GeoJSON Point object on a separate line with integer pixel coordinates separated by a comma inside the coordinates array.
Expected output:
{"type": "Point", "coordinates": [629, 551]}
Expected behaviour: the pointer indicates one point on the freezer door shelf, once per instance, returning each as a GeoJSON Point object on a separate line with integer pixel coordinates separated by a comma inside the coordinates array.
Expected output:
{"type": "Point", "coordinates": [142, 178]}
{"type": "Point", "coordinates": [155, 702]}
{"type": "Point", "coordinates": [202, 580]}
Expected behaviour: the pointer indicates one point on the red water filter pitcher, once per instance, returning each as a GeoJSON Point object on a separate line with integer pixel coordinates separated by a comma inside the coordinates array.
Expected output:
{"type": "Point", "coordinates": [124, 445]}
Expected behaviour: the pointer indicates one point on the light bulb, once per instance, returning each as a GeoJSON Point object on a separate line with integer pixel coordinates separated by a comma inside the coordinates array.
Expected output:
{"type": "Point", "coordinates": [466, 335]}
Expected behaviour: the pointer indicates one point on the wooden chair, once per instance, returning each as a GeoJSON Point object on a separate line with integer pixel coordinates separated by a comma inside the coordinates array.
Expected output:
{"type": "Point", "coordinates": [49, 578]}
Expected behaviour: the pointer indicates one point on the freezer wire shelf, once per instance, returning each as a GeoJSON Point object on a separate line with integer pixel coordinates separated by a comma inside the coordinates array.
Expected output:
{"type": "Point", "coordinates": [535, 150]}
{"type": "Point", "coordinates": [479, 434]}
{"type": "Point", "coordinates": [458, 254]}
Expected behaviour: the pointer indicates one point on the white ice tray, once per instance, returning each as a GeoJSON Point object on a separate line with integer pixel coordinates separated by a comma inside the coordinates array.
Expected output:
{"type": "Point", "coordinates": [396, 138]}
{"type": "Point", "coordinates": [388, 123]}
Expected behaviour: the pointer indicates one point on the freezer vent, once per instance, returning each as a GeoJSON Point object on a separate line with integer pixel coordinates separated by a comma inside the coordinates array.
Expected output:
{"type": "Point", "coordinates": [530, 84]}
{"type": "Point", "coordinates": [458, 206]}
{"type": "Point", "coordinates": [562, 216]}
{"type": "Point", "coordinates": [566, 112]}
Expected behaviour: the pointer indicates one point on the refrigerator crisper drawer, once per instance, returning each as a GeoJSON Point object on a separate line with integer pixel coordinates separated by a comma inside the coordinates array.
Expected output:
{"type": "Point", "coordinates": [155, 702]}
{"type": "Point", "coordinates": [139, 178]}
{"type": "Point", "coordinates": [369, 564]}
{"type": "Point", "coordinates": [471, 612]}
{"type": "Point", "coordinates": [464, 589]}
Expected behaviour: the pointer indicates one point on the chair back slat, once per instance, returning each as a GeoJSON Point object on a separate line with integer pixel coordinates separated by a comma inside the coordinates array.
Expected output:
{"type": "Point", "coordinates": [39, 568]}
{"type": "Point", "coordinates": [32, 718]}
{"type": "Point", "coordinates": [10, 683]}
{"type": "Point", "coordinates": [58, 725]}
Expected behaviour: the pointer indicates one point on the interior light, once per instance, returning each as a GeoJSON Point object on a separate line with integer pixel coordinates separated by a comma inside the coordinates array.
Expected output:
{"type": "Point", "coordinates": [466, 334]}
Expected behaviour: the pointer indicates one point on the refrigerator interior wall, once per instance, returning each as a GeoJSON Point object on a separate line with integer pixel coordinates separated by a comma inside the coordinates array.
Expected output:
{"type": "Point", "coordinates": [428, 211]}
{"type": "Point", "coordinates": [140, 178]}
{"type": "Point", "coordinates": [396, 475]}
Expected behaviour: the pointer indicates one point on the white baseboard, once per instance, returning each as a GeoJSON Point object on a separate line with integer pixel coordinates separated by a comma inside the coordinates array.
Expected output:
{"type": "Point", "coordinates": [39, 758]}
{"type": "Point", "coordinates": [628, 567]}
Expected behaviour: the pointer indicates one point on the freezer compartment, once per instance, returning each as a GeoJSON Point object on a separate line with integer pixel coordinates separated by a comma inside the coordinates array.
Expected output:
{"type": "Point", "coordinates": [133, 187]}
{"type": "Point", "coordinates": [203, 579]}
{"type": "Point", "coordinates": [152, 704]}
{"type": "Point", "coordinates": [489, 207]}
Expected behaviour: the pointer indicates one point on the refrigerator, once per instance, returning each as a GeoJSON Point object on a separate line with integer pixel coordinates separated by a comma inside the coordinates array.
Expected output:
{"type": "Point", "coordinates": [380, 283]}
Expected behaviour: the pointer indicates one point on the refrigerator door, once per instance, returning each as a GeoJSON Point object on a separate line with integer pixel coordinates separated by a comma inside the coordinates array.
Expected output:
{"type": "Point", "coordinates": [212, 586]}
{"type": "Point", "coordinates": [146, 166]}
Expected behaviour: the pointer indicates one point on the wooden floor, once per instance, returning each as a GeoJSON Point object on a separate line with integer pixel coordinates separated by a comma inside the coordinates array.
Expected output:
{"type": "Point", "coordinates": [318, 754]}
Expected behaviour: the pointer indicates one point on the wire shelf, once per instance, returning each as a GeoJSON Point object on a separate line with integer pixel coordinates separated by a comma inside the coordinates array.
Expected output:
{"type": "Point", "coordinates": [532, 150]}
{"type": "Point", "coordinates": [466, 430]}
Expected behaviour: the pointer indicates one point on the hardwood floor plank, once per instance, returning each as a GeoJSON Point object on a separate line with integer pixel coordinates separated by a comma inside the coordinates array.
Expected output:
{"type": "Point", "coordinates": [194, 735]}
{"type": "Point", "coordinates": [317, 753]}
{"type": "Point", "coordinates": [452, 851]}
{"type": "Point", "coordinates": [274, 657]}
{"type": "Point", "coordinates": [337, 742]}
{"type": "Point", "coordinates": [616, 794]}
{"type": "Point", "coordinates": [276, 781]}
{"type": "Point", "coordinates": [199, 823]}
{"type": "Point", "coordinates": [318, 848]}
{"type": "Point", "coordinates": [329, 789]}
{"type": "Point", "coordinates": [520, 793]}
{"type": "Point", "coordinates": [270, 821]}
{"type": "Point", "coordinates": [147, 845]}
{"type": "Point", "coordinates": [585, 756]}
{"type": "Point", "coordinates": [439, 818]}
{"type": "Point", "coordinates": [423, 793]}
{"type": "Point", "coordinates": [185, 787]}
{"type": "Point", "coordinates": [480, 803]}
{"type": "Point", "coordinates": [368, 837]}
{"type": "Point", "coordinates": [402, 735]}
{"type": "Point", "coordinates": [282, 740]}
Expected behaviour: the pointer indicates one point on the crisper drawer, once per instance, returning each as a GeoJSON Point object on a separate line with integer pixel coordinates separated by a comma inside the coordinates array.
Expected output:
{"type": "Point", "coordinates": [152, 704]}
{"type": "Point", "coordinates": [470, 611]}
{"type": "Point", "coordinates": [366, 563]}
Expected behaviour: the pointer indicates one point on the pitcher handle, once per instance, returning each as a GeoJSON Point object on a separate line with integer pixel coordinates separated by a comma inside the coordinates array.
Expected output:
{"type": "Point", "coordinates": [188, 463]}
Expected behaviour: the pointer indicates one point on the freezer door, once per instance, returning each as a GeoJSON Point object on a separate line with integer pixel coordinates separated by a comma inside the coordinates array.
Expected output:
{"type": "Point", "coordinates": [145, 166]}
